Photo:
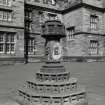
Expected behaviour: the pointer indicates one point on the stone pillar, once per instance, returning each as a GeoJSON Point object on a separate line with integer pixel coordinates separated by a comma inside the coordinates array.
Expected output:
{"type": "Point", "coordinates": [53, 31]}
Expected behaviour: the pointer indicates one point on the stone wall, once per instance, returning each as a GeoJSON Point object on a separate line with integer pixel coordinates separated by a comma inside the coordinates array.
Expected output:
{"type": "Point", "coordinates": [16, 26]}
{"type": "Point", "coordinates": [79, 46]}
{"type": "Point", "coordinates": [19, 48]}
{"type": "Point", "coordinates": [19, 42]}
{"type": "Point", "coordinates": [74, 18]}
{"type": "Point", "coordinates": [18, 12]}
{"type": "Point", "coordinates": [100, 39]}
{"type": "Point", "coordinates": [86, 21]}
{"type": "Point", "coordinates": [104, 22]}
{"type": "Point", "coordinates": [17, 9]}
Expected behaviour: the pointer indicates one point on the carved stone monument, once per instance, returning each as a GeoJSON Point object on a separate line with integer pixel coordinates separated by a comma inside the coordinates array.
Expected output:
{"type": "Point", "coordinates": [53, 85]}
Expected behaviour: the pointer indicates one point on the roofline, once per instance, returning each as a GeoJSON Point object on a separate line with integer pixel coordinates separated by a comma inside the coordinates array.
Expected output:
{"type": "Point", "coordinates": [45, 8]}
{"type": "Point", "coordinates": [68, 9]}
{"type": "Point", "coordinates": [16, 27]}
{"type": "Point", "coordinates": [83, 5]}
{"type": "Point", "coordinates": [78, 33]}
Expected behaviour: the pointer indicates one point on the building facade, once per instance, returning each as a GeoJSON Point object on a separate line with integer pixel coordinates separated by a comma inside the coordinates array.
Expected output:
{"type": "Point", "coordinates": [11, 30]}
{"type": "Point", "coordinates": [20, 30]}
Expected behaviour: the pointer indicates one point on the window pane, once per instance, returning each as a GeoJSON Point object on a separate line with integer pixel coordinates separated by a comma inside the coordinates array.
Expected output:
{"type": "Point", "coordinates": [1, 47]}
{"type": "Point", "coordinates": [93, 21]}
{"type": "Point", "coordinates": [93, 47]}
{"type": "Point", "coordinates": [8, 38]}
{"type": "Point", "coordinates": [70, 32]}
{"type": "Point", "coordinates": [12, 47]}
{"type": "Point", "coordinates": [12, 38]}
{"type": "Point", "coordinates": [31, 46]}
{"type": "Point", "coordinates": [9, 16]}
{"type": "Point", "coordinates": [4, 15]}
{"type": "Point", "coordinates": [4, 2]}
{"type": "Point", "coordinates": [1, 15]}
{"type": "Point", "coordinates": [7, 47]}
{"type": "Point", "coordinates": [1, 38]}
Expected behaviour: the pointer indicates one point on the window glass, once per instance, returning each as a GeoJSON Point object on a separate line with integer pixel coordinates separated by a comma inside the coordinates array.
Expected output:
{"type": "Point", "coordinates": [7, 43]}
{"type": "Point", "coordinates": [70, 32]}
{"type": "Point", "coordinates": [1, 15]}
{"type": "Point", "coordinates": [5, 15]}
{"type": "Point", "coordinates": [93, 22]}
{"type": "Point", "coordinates": [93, 47]}
{"type": "Point", "coordinates": [31, 46]}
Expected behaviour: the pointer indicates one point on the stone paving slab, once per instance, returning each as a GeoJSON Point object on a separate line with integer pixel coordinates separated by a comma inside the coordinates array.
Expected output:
{"type": "Point", "coordinates": [91, 75]}
{"type": "Point", "coordinates": [95, 99]}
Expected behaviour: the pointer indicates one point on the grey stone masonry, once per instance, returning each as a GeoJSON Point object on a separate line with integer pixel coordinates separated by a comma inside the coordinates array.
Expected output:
{"type": "Point", "coordinates": [52, 84]}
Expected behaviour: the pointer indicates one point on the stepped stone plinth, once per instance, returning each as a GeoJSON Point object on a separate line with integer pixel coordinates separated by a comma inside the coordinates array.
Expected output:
{"type": "Point", "coordinates": [52, 84]}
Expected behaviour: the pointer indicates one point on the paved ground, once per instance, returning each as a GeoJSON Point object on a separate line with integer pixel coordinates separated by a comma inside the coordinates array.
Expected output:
{"type": "Point", "coordinates": [92, 75]}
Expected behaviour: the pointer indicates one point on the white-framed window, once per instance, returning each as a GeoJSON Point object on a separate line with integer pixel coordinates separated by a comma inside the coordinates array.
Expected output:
{"type": "Point", "coordinates": [7, 43]}
{"type": "Point", "coordinates": [93, 22]}
{"type": "Point", "coordinates": [93, 47]}
{"type": "Point", "coordinates": [5, 2]}
{"type": "Point", "coordinates": [31, 46]}
{"type": "Point", "coordinates": [5, 16]}
{"type": "Point", "coordinates": [70, 33]}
